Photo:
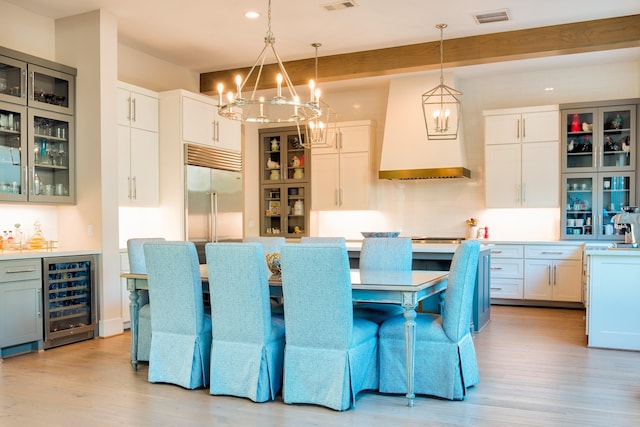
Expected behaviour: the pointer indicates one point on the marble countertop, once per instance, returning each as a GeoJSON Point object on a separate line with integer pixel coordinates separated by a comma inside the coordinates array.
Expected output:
{"type": "Point", "coordinates": [356, 245]}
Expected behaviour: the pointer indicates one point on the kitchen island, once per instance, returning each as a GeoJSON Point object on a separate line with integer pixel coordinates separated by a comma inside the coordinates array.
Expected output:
{"type": "Point", "coordinates": [613, 306]}
{"type": "Point", "coordinates": [437, 257]}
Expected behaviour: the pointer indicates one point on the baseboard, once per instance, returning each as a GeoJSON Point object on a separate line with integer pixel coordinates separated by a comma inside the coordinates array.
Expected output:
{"type": "Point", "coordinates": [110, 327]}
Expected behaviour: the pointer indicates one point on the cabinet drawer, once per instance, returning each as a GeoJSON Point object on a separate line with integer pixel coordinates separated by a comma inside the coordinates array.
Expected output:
{"type": "Point", "coordinates": [553, 252]}
{"type": "Point", "coordinates": [507, 251]}
{"type": "Point", "coordinates": [507, 288]}
{"type": "Point", "coordinates": [23, 269]}
{"type": "Point", "coordinates": [507, 267]}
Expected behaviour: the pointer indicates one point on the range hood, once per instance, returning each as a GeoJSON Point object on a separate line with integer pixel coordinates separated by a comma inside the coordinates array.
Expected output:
{"type": "Point", "coordinates": [406, 151]}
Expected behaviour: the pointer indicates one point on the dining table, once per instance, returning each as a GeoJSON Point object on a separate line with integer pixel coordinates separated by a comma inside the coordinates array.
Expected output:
{"type": "Point", "coordinates": [405, 288]}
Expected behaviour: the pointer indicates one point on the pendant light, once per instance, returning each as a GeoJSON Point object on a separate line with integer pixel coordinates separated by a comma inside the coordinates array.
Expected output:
{"type": "Point", "coordinates": [277, 109]}
{"type": "Point", "coordinates": [441, 105]}
{"type": "Point", "coordinates": [321, 129]}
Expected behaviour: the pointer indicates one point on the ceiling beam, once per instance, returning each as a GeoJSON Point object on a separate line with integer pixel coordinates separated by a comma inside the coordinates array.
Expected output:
{"type": "Point", "coordinates": [578, 37]}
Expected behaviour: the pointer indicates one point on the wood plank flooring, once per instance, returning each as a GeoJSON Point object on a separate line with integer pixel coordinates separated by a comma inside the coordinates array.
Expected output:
{"type": "Point", "coordinates": [534, 364]}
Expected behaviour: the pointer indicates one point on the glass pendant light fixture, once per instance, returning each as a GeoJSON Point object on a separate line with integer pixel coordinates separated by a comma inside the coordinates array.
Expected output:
{"type": "Point", "coordinates": [277, 109]}
{"type": "Point", "coordinates": [321, 127]}
{"type": "Point", "coordinates": [441, 105]}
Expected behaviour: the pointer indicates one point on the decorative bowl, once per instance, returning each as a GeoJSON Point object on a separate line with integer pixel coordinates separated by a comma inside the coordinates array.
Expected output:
{"type": "Point", "coordinates": [273, 261]}
{"type": "Point", "coordinates": [380, 233]}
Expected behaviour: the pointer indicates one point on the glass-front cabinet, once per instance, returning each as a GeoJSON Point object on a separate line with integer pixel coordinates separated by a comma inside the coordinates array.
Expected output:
{"type": "Point", "coordinates": [591, 200]}
{"type": "Point", "coordinates": [51, 154]}
{"type": "Point", "coordinates": [599, 139]}
{"type": "Point", "coordinates": [37, 157]}
{"type": "Point", "coordinates": [284, 181]}
{"type": "Point", "coordinates": [13, 142]}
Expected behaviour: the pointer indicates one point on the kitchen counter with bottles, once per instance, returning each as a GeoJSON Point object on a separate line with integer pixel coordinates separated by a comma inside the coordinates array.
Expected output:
{"type": "Point", "coordinates": [43, 253]}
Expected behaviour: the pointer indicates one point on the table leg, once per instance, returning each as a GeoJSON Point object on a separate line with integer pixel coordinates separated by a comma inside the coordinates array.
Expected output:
{"type": "Point", "coordinates": [133, 312]}
{"type": "Point", "coordinates": [410, 302]}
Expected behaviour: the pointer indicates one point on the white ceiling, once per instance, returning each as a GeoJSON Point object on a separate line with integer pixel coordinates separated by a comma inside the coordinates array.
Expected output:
{"type": "Point", "coordinates": [211, 35]}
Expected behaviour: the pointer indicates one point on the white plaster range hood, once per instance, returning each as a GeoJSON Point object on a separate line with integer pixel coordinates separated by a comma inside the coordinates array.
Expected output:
{"type": "Point", "coordinates": [406, 151]}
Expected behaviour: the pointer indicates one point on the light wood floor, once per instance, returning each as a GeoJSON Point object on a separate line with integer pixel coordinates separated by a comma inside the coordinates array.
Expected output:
{"type": "Point", "coordinates": [534, 364]}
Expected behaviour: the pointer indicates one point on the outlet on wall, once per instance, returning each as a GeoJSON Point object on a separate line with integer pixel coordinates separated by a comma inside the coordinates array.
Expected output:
{"type": "Point", "coordinates": [90, 230]}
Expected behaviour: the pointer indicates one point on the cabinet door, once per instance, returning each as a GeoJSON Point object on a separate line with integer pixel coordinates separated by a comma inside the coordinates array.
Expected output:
{"type": "Point", "coordinates": [228, 133]}
{"type": "Point", "coordinates": [325, 181]}
{"type": "Point", "coordinates": [502, 129]}
{"type": "Point", "coordinates": [567, 280]}
{"type": "Point", "coordinates": [354, 181]}
{"type": "Point", "coordinates": [144, 167]}
{"type": "Point", "coordinates": [52, 157]}
{"type": "Point", "coordinates": [20, 312]}
{"type": "Point", "coordinates": [51, 90]}
{"type": "Point", "coordinates": [13, 143]}
{"type": "Point", "coordinates": [197, 121]}
{"type": "Point", "coordinates": [538, 279]}
{"type": "Point", "coordinates": [137, 167]}
{"type": "Point", "coordinates": [14, 74]}
{"type": "Point", "coordinates": [540, 175]}
{"type": "Point", "coordinates": [540, 126]}
{"type": "Point", "coordinates": [618, 138]}
{"type": "Point", "coordinates": [354, 138]}
{"type": "Point", "coordinates": [580, 147]}
{"type": "Point", "coordinates": [502, 175]}
{"type": "Point", "coordinates": [144, 112]}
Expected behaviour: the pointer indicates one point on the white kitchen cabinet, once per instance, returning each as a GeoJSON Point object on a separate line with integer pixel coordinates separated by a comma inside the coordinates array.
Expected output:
{"type": "Point", "coordinates": [138, 160]}
{"type": "Point", "coordinates": [342, 172]}
{"type": "Point", "coordinates": [137, 107]}
{"type": "Point", "coordinates": [507, 271]}
{"type": "Point", "coordinates": [522, 159]}
{"type": "Point", "coordinates": [201, 123]}
{"type": "Point", "coordinates": [553, 273]}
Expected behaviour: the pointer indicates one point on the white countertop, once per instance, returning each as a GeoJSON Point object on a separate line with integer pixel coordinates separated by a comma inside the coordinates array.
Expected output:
{"type": "Point", "coordinates": [446, 248]}
{"type": "Point", "coordinates": [615, 252]}
{"type": "Point", "coordinates": [43, 253]}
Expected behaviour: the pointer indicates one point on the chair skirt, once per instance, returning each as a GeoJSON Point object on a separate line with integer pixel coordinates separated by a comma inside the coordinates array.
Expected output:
{"type": "Point", "coordinates": [443, 368]}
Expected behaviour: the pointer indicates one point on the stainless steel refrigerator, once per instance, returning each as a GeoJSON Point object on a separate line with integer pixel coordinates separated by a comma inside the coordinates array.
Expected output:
{"type": "Point", "coordinates": [213, 196]}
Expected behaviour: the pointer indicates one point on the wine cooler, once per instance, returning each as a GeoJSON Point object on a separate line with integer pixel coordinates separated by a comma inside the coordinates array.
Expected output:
{"type": "Point", "coordinates": [69, 299]}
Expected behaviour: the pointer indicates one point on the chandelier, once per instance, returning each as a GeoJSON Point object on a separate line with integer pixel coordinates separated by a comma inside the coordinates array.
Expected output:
{"type": "Point", "coordinates": [278, 109]}
{"type": "Point", "coordinates": [441, 105]}
{"type": "Point", "coordinates": [318, 128]}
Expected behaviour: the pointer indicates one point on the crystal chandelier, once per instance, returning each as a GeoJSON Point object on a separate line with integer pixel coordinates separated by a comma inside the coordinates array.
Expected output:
{"type": "Point", "coordinates": [441, 105]}
{"type": "Point", "coordinates": [278, 109]}
{"type": "Point", "coordinates": [319, 128]}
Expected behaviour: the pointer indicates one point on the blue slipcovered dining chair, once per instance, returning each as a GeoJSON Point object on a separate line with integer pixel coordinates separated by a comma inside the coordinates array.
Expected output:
{"type": "Point", "coordinates": [445, 357]}
{"type": "Point", "coordinates": [135, 252]}
{"type": "Point", "coordinates": [180, 330]}
{"type": "Point", "coordinates": [330, 356]}
{"type": "Point", "coordinates": [247, 348]}
{"type": "Point", "coordinates": [270, 244]}
{"type": "Point", "coordinates": [383, 254]}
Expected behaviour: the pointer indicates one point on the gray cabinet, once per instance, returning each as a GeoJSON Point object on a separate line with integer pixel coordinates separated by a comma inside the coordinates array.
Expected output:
{"type": "Point", "coordinates": [20, 306]}
{"type": "Point", "coordinates": [285, 176]}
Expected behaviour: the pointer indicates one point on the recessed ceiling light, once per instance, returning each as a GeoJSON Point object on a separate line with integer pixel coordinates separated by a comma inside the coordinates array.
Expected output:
{"type": "Point", "coordinates": [549, 89]}
{"type": "Point", "coordinates": [252, 14]}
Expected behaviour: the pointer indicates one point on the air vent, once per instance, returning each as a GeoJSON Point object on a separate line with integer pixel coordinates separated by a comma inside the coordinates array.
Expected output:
{"type": "Point", "coordinates": [339, 5]}
{"type": "Point", "coordinates": [489, 17]}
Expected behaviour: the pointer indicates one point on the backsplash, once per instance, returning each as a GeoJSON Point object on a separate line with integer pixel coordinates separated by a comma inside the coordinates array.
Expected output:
{"type": "Point", "coordinates": [27, 216]}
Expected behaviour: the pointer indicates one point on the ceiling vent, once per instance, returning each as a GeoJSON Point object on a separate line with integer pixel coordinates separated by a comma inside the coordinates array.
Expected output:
{"type": "Point", "coordinates": [489, 17]}
{"type": "Point", "coordinates": [340, 5]}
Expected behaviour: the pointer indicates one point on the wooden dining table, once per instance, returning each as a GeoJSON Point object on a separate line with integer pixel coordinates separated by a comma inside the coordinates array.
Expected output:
{"type": "Point", "coordinates": [406, 289]}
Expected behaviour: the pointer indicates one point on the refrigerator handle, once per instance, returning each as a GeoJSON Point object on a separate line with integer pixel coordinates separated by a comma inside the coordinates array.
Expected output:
{"type": "Point", "coordinates": [213, 229]}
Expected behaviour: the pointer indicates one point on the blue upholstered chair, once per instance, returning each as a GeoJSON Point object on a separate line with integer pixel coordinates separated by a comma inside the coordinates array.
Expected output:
{"type": "Point", "coordinates": [248, 344]}
{"type": "Point", "coordinates": [383, 254]}
{"type": "Point", "coordinates": [135, 253]}
{"type": "Point", "coordinates": [445, 363]}
{"type": "Point", "coordinates": [330, 356]}
{"type": "Point", "coordinates": [307, 239]}
{"type": "Point", "coordinates": [180, 330]}
{"type": "Point", "coordinates": [270, 244]}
